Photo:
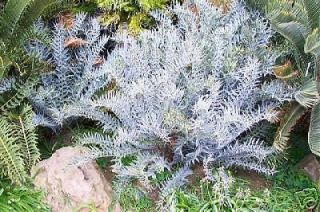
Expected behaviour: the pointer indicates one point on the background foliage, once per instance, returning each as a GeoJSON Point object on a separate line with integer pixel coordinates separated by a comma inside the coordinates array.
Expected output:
{"type": "Point", "coordinates": [298, 22]}
{"type": "Point", "coordinates": [135, 13]}
{"type": "Point", "coordinates": [20, 198]}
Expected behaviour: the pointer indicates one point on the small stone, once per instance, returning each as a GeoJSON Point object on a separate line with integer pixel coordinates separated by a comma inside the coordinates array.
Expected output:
{"type": "Point", "coordinates": [72, 188]}
{"type": "Point", "coordinates": [311, 167]}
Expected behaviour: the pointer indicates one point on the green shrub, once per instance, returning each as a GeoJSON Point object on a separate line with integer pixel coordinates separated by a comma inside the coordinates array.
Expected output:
{"type": "Point", "coordinates": [16, 18]}
{"type": "Point", "coordinates": [133, 12]}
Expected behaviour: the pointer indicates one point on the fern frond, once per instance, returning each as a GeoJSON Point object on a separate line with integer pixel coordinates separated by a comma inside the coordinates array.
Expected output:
{"type": "Point", "coordinates": [27, 137]}
{"type": "Point", "coordinates": [21, 91]}
{"type": "Point", "coordinates": [35, 10]}
{"type": "Point", "coordinates": [11, 162]}
{"type": "Point", "coordinates": [12, 13]}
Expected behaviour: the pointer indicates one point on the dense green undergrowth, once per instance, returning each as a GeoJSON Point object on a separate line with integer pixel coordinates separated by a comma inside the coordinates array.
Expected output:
{"type": "Point", "coordinates": [21, 199]}
{"type": "Point", "coordinates": [289, 191]}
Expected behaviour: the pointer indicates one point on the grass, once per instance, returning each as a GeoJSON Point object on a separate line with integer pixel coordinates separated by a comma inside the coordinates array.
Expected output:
{"type": "Point", "coordinates": [132, 199]}
{"type": "Point", "coordinates": [241, 198]}
{"type": "Point", "coordinates": [288, 190]}
{"type": "Point", "coordinates": [20, 199]}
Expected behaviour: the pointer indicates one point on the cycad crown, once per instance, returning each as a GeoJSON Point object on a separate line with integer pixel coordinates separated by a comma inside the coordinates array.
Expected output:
{"type": "Point", "coordinates": [188, 92]}
{"type": "Point", "coordinates": [194, 88]}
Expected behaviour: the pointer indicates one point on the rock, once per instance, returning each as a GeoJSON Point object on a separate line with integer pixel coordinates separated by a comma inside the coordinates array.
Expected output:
{"type": "Point", "coordinates": [72, 188]}
{"type": "Point", "coordinates": [311, 167]}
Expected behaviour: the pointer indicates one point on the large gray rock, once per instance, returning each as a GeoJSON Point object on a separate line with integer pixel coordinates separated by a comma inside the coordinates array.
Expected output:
{"type": "Point", "coordinates": [311, 167]}
{"type": "Point", "coordinates": [72, 188]}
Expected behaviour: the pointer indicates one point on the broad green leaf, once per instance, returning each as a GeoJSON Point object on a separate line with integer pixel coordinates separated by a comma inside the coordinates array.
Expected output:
{"type": "Point", "coordinates": [312, 44]}
{"type": "Point", "coordinates": [293, 31]}
{"type": "Point", "coordinates": [313, 10]}
{"type": "Point", "coordinates": [308, 95]}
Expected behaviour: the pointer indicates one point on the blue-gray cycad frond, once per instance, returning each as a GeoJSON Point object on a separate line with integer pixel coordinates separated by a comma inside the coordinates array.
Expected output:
{"type": "Point", "coordinates": [77, 75]}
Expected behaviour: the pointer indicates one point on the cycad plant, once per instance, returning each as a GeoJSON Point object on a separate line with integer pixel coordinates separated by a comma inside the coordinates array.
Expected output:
{"type": "Point", "coordinates": [299, 21]}
{"type": "Point", "coordinates": [190, 92]}
{"type": "Point", "coordinates": [195, 90]}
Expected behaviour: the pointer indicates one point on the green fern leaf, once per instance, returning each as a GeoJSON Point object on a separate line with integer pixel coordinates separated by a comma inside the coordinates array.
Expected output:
{"type": "Point", "coordinates": [28, 137]}
{"type": "Point", "coordinates": [36, 8]}
{"type": "Point", "coordinates": [12, 13]}
{"type": "Point", "coordinates": [21, 91]}
{"type": "Point", "coordinates": [11, 162]}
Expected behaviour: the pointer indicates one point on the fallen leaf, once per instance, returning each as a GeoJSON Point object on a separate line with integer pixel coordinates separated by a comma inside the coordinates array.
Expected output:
{"type": "Point", "coordinates": [74, 42]}
{"type": "Point", "coordinates": [98, 60]}
{"type": "Point", "coordinates": [66, 19]}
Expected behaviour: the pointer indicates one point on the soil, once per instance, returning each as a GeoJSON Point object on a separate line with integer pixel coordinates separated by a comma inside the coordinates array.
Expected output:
{"type": "Point", "coordinates": [108, 174]}
{"type": "Point", "coordinates": [256, 181]}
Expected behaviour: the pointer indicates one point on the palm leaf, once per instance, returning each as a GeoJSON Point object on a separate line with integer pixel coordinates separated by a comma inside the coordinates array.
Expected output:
{"type": "Point", "coordinates": [312, 44]}
{"type": "Point", "coordinates": [308, 95]}
{"type": "Point", "coordinates": [294, 113]}
{"type": "Point", "coordinates": [293, 31]}
{"type": "Point", "coordinates": [314, 130]}
{"type": "Point", "coordinates": [313, 10]}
